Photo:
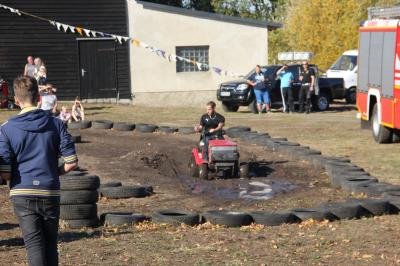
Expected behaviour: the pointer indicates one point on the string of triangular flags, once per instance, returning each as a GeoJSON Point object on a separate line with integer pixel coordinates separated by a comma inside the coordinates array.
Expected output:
{"type": "Point", "coordinates": [123, 39]}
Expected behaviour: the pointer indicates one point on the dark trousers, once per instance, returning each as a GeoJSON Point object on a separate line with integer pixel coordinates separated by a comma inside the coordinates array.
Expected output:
{"type": "Point", "coordinates": [305, 99]}
{"type": "Point", "coordinates": [288, 99]}
{"type": "Point", "coordinates": [38, 219]}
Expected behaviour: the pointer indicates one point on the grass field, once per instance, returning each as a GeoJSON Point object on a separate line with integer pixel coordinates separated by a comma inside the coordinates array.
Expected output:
{"type": "Point", "coordinates": [371, 241]}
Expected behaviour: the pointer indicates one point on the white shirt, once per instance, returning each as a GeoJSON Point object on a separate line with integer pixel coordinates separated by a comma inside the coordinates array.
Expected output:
{"type": "Point", "coordinates": [48, 102]}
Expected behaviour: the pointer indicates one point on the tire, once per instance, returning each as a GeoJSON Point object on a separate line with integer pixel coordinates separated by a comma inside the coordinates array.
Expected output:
{"type": "Point", "coordinates": [274, 218]}
{"type": "Point", "coordinates": [351, 96]}
{"type": "Point", "coordinates": [377, 207]}
{"type": "Point", "coordinates": [123, 127]}
{"type": "Point", "coordinates": [228, 218]}
{"type": "Point", "coordinates": [124, 192]}
{"type": "Point", "coordinates": [375, 189]}
{"type": "Point", "coordinates": [337, 179]}
{"type": "Point", "coordinates": [168, 130]}
{"type": "Point", "coordinates": [85, 182]}
{"type": "Point", "coordinates": [395, 136]}
{"type": "Point", "coordinates": [145, 128]}
{"type": "Point", "coordinates": [346, 210]}
{"type": "Point", "coordinates": [391, 195]}
{"type": "Point", "coordinates": [118, 219]}
{"type": "Point", "coordinates": [321, 102]}
{"type": "Point", "coordinates": [317, 214]}
{"type": "Point", "coordinates": [78, 211]}
{"type": "Point", "coordinates": [85, 124]}
{"type": "Point", "coordinates": [380, 133]}
{"type": "Point", "coordinates": [321, 161]}
{"type": "Point", "coordinates": [193, 168]}
{"type": "Point", "coordinates": [111, 184]}
{"type": "Point", "coordinates": [229, 107]}
{"type": "Point", "coordinates": [175, 217]}
{"type": "Point", "coordinates": [186, 130]}
{"type": "Point", "coordinates": [349, 184]}
{"type": "Point", "coordinates": [75, 173]}
{"type": "Point", "coordinates": [76, 138]}
{"type": "Point", "coordinates": [74, 125]}
{"type": "Point", "coordinates": [78, 197]}
{"type": "Point", "coordinates": [102, 124]}
{"type": "Point", "coordinates": [244, 170]}
{"type": "Point", "coordinates": [203, 171]}
{"type": "Point", "coordinates": [79, 224]}
{"type": "Point", "coordinates": [238, 128]}
{"type": "Point", "coordinates": [253, 106]}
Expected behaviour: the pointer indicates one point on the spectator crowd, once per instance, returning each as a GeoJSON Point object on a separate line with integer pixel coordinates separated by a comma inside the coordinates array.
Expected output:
{"type": "Point", "coordinates": [47, 99]}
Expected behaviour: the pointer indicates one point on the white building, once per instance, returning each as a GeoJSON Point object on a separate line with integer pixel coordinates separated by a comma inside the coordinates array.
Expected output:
{"type": "Point", "coordinates": [230, 43]}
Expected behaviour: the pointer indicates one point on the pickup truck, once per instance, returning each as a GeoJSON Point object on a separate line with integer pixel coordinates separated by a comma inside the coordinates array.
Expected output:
{"type": "Point", "coordinates": [238, 93]}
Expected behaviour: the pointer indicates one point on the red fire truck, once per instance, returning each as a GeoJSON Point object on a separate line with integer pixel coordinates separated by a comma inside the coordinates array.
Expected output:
{"type": "Point", "coordinates": [378, 92]}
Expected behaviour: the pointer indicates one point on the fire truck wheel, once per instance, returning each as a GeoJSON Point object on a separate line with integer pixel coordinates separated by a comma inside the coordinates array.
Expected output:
{"type": "Point", "coordinates": [193, 168]}
{"type": "Point", "coordinates": [203, 171]}
{"type": "Point", "coordinates": [396, 136]}
{"type": "Point", "coordinates": [380, 133]}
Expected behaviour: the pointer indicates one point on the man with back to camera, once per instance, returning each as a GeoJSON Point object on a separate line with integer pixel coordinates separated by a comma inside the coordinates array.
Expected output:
{"type": "Point", "coordinates": [307, 78]}
{"type": "Point", "coordinates": [212, 123]}
{"type": "Point", "coordinates": [286, 78]}
{"type": "Point", "coordinates": [30, 144]}
{"type": "Point", "coordinates": [258, 81]}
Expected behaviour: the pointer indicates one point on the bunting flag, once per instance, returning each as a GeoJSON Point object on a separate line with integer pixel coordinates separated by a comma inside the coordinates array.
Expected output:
{"type": "Point", "coordinates": [122, 39]}
{"type": "Point", "coordinates": [217, 70]}
{"type": "Point", "coordinates": [79, 30]}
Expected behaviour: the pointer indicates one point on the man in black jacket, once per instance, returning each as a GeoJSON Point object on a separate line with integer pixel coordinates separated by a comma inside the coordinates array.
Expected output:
{"type": "Point", "coordinates": [307, 78]}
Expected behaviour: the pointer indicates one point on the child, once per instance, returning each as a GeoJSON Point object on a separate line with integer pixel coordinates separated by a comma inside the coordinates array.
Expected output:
{"type": "Point", "coordinates": [65, 115]}
{"type": "Point", "coordinates": [78, 113]}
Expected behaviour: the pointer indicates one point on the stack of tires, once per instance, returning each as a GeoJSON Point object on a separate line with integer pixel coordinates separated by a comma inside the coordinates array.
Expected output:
{"type": "Point", "coordinates": [78, 200]}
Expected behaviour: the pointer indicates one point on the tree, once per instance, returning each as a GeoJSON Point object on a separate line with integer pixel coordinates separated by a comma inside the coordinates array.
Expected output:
{"type": "Point", "coordinates": [326, 27]}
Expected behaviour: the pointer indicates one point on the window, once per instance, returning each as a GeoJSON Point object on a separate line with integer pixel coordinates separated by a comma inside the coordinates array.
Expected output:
{"type": "Point", "coordinates": [196, 53]}
{"type": "Point", "coordinates": [345, 63]}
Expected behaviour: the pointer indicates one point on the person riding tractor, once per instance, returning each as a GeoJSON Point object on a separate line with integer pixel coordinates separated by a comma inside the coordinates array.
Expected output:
{"type": "Point", "coordinates": [211, 124]}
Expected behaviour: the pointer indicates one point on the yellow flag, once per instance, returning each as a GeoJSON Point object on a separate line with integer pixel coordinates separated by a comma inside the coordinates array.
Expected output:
{"type": "Point", "coordinates": [79, 30]}
{"type": "Point", "coordinates": [135, 42]}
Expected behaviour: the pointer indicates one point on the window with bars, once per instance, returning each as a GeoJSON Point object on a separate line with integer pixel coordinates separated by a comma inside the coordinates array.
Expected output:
{"type": "Point", "coordinates": [197, 53]}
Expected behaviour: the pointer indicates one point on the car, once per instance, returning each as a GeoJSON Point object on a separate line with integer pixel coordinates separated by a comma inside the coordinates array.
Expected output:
{"type": "Point", "coordinates": [236, 93]}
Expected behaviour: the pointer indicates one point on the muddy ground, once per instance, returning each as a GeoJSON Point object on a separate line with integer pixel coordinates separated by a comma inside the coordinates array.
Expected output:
{"type": "Point", "coordinates": [161, 161]}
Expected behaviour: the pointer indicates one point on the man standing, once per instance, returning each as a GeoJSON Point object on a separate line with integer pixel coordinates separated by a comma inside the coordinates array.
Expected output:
{"type": "Point", "coordinates": [29, 69]}
{"type": "Point", "coordinates": [307, 78]}
{"type": "Point", "coordinates": [30, 144]}
{"type": "Point", "coordinates": [212, 124]}
{"type": "Point", "coordinates": [286, 78]}
{"type": "Point", "coordinates": [258, 81]}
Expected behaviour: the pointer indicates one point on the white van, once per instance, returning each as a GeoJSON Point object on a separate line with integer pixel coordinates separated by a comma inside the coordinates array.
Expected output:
{"type": "Point", "coordinates": [346, 67]}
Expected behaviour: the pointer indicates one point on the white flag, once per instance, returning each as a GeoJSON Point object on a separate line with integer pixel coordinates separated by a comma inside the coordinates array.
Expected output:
{"type": "Point", "coordinates": [52, 23]}
{"type": "Point", "coordinates": [87, 32]}
{"type": "Point", "coordinates": [58, 25]}
{"type": "Point", "coordinates": [65, 27]}
{"type": "Point", "coordinates": [72, 29]}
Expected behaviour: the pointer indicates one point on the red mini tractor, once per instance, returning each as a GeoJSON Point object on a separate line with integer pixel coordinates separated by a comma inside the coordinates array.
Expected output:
{"type": "Point", "coordinates": [223, 158]}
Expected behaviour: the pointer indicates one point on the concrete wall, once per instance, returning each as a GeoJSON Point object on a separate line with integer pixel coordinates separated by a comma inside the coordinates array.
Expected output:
{"type": "Point", "coordinates": [233, 47]}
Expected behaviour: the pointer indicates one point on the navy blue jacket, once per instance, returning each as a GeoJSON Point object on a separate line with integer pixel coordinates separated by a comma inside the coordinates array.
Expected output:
{"type": "Point", "coordinates": [30, 144]}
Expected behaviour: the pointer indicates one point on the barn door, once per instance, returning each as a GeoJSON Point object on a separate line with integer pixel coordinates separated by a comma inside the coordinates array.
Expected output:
{"type": "Point", "coordinates": [97, 69]}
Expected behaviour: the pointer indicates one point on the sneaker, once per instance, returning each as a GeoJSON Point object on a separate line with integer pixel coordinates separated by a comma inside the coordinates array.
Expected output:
{"type": "Point", "coordinates": [259, 112]}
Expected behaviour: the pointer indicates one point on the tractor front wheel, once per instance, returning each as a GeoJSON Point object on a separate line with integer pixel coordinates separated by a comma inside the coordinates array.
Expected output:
{"type": "Point", "coordinates": [203, 171]}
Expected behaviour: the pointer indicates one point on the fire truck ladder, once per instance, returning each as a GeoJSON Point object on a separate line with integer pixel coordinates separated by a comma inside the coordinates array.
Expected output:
{"type": "Point", "coordinates": [384, 13]}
